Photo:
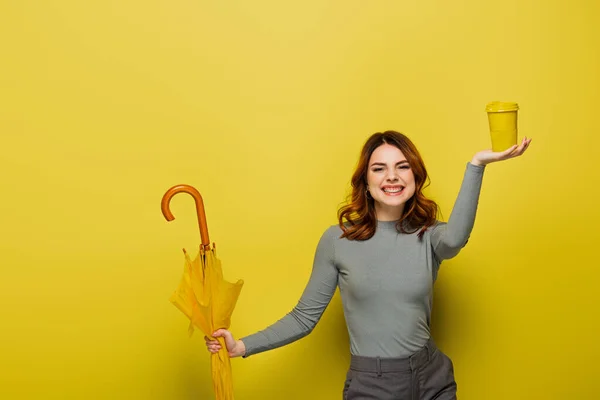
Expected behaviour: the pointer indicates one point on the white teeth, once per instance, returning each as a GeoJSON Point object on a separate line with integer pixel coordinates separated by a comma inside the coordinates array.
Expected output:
{"type": "Point", "coordinates": [390, 190]}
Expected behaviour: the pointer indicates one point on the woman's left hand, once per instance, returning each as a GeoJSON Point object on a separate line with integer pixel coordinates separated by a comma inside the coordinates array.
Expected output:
{"type": "Point", "coordinates": [488, 156]}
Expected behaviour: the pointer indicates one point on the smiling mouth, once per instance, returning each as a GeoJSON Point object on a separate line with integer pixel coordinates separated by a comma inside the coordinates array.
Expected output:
{"type": "Point", "coordinates": [393, 191]}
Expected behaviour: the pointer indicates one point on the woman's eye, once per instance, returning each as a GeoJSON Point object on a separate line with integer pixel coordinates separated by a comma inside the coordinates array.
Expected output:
{"type": "Point", "coordinates": [377, 169]}
{"type": "Point", "coordinates": [404, 167]}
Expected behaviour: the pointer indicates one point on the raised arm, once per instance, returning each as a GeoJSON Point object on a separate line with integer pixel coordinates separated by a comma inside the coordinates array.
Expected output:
{"type": "Point", "coordinates": [448, 239]}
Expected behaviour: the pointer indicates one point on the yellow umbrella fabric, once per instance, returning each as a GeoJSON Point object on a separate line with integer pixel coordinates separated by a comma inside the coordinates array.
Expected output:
{"type": "Point", "coordinates": [204, 296]}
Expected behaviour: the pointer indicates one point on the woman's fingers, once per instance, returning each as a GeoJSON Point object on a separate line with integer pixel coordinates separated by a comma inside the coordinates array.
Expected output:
{"type": "Point", "coordinates": [515, 151]}
{"type": "Point", "coordinates": [521, 149]}
{"type": "Point", "coordinates": [212, 345]}
{"type": "Point", "coordinates": [211, 341]}
{"type": "Point", "coordinates": [214, 349]}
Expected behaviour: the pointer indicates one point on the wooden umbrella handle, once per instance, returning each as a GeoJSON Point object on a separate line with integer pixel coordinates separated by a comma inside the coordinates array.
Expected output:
{"type": "Point", "coordinates": [199, 209]}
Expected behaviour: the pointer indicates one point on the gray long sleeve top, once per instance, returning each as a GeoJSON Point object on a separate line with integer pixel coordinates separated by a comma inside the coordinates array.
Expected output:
{"type": "Point", "coordinates": [386, 282]}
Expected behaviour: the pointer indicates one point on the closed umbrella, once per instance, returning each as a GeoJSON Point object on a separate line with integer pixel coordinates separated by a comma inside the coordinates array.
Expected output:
{"type": "Point", "coordinates": [203, 295]}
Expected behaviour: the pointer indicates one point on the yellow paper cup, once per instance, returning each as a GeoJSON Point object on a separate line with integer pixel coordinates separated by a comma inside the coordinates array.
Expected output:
{"type": "Point", "coordinates": [502, 117]}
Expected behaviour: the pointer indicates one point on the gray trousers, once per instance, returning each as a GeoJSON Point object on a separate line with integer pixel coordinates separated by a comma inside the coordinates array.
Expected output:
{"type": "Point", "coordinates": [426, 375]}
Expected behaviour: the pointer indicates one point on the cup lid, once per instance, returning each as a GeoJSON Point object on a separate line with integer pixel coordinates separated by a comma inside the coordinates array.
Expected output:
{"type": "Point", "coordinates": [501, 106]}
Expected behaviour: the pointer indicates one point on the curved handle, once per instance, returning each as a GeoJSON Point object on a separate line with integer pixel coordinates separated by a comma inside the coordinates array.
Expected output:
{"type": "Point", "coordinates": [164, 206]}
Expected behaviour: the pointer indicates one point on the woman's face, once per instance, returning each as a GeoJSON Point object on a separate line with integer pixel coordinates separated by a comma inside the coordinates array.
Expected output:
{"type": "Point", "coordinates": [391, 182]}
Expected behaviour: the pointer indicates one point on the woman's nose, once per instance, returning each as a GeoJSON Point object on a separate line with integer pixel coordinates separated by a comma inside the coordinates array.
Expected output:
{"type": "Point", "coordinates": [392, 176]}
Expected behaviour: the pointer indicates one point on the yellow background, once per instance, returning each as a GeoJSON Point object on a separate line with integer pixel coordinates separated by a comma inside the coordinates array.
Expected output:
{"type": "Point", "coordinates": [263, 106]}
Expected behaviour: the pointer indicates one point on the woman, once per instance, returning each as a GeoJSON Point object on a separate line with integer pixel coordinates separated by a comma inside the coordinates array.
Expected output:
{"type": "Point", "coordinates": [384, 255]}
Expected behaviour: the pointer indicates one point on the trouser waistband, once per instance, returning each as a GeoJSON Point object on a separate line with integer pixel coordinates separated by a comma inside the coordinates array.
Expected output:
{"type": "Point", "coordinates": [381, 365]}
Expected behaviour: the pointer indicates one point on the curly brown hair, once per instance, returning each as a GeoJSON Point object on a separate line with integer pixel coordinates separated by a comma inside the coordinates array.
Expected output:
{"type": "Point", "coordinates": [357, 218]}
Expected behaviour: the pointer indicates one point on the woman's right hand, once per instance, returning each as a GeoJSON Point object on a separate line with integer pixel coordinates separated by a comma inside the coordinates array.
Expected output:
{"type": "Point", "coordinates": [235, 348]}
